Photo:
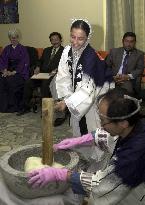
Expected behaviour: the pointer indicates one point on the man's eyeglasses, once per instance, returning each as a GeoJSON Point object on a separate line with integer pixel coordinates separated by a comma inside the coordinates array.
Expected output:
{"type": "Point", "coordinates": [102, 118]}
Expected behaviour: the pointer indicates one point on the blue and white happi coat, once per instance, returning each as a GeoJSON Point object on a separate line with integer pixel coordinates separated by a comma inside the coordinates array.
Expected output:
{"type": "Point", "coordinates": [81, 78]}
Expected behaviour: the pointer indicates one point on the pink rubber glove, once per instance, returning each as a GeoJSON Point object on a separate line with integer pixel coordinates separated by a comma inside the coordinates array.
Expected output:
{"type": "Point", "coordinates": [42, 177]}
{"type": "Point", "coordinates": [72, 142]}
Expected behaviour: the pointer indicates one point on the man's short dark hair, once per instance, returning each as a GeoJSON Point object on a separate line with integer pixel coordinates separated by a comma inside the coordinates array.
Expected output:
{"type": "Point", "coordinates": [129, 34]}
{"type": "Point", "coordinates": [118, 106]}
{"type": "Point", "coordinates": [55, 34]}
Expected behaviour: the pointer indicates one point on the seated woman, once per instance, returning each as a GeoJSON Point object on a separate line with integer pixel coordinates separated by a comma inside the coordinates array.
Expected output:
{"type": "Point", "coordinates": [14, 70]}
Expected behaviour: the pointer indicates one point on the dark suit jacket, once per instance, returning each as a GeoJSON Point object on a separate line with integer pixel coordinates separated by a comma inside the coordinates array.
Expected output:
{"type": "Point", "coordinates": [47, 65]}
{"type": "Point", "coordinates": [135, 65]}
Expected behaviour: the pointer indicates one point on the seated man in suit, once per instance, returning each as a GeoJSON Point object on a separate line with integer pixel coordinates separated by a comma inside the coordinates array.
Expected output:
{"type": "Point", "coordinates": [127, 64]}
{"type": "Point", "coordinates": [48, 64]}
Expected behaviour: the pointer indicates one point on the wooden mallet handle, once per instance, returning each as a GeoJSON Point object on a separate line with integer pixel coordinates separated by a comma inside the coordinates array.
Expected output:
{"type": "Point", "coordinates": [47, 130]}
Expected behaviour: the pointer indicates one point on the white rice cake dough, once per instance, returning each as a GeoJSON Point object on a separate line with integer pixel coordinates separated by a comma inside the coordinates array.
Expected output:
{"type": "Point", "coordinates": [33, 163]}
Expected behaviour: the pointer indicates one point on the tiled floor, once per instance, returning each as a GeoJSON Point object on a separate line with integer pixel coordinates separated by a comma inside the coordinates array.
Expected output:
{"type": "Point", "coordinates": [27, 129]}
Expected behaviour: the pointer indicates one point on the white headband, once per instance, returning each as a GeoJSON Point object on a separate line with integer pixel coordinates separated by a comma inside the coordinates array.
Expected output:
{"type": "Point", "coordinates": [86, 21]}
{"type": "Point", "coordinates": [136, 101]}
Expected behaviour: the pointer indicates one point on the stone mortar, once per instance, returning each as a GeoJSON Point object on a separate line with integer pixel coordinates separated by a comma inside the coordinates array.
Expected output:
{"type": "Point", "coordinates": [12, 169]}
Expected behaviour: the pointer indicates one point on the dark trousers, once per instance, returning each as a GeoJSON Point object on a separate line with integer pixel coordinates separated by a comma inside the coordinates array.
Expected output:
{"type": "Point", "coordinates": [30, 86]}
{"type": "Point", "coordinates": [11, 93]}
{"type": "Point", "coordinates": [83, 126]}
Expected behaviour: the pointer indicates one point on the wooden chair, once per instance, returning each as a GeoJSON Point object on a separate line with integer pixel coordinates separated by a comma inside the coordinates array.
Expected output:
{"type": "Point", "coordinates": [102, 54]}
{"type": "Point", "coordinates": [39, 51]}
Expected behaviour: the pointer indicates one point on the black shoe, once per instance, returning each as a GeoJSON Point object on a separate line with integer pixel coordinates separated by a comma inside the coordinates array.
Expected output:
{"type": "Point", "coordinates": [23, 112]}
{"type": "Point", "coordinates": [59, 121]}
{"type": "Point", "coordinates": [35, 108]}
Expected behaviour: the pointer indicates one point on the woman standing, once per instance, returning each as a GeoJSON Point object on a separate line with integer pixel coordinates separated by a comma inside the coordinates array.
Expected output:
{"type": "Point", "coordinates": [81, 78]}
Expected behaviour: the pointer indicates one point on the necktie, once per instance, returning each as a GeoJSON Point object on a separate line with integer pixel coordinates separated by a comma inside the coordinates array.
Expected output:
{"type": "Point", "coordinates": [125, 63]}
{"type": "Point", "coordinates": [53, 53]}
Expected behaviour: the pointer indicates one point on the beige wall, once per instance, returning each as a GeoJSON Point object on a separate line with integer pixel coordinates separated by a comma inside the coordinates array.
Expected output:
{"type": "Point", "coordinates": [40, 17]}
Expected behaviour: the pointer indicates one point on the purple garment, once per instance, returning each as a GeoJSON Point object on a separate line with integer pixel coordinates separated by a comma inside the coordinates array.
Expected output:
{"type": "Point", "coordinates": [19, 54]}
{"type": "Point", "coordinates": [11, 93]}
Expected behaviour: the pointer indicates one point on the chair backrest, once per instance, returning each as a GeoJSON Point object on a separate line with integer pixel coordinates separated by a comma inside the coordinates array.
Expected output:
{"type": "Point", "coordinates": [33, 57]}
{"type": "Point", "coordinates": [39, 51]}
{"type": "Point", "coordinates": [102, 54]}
